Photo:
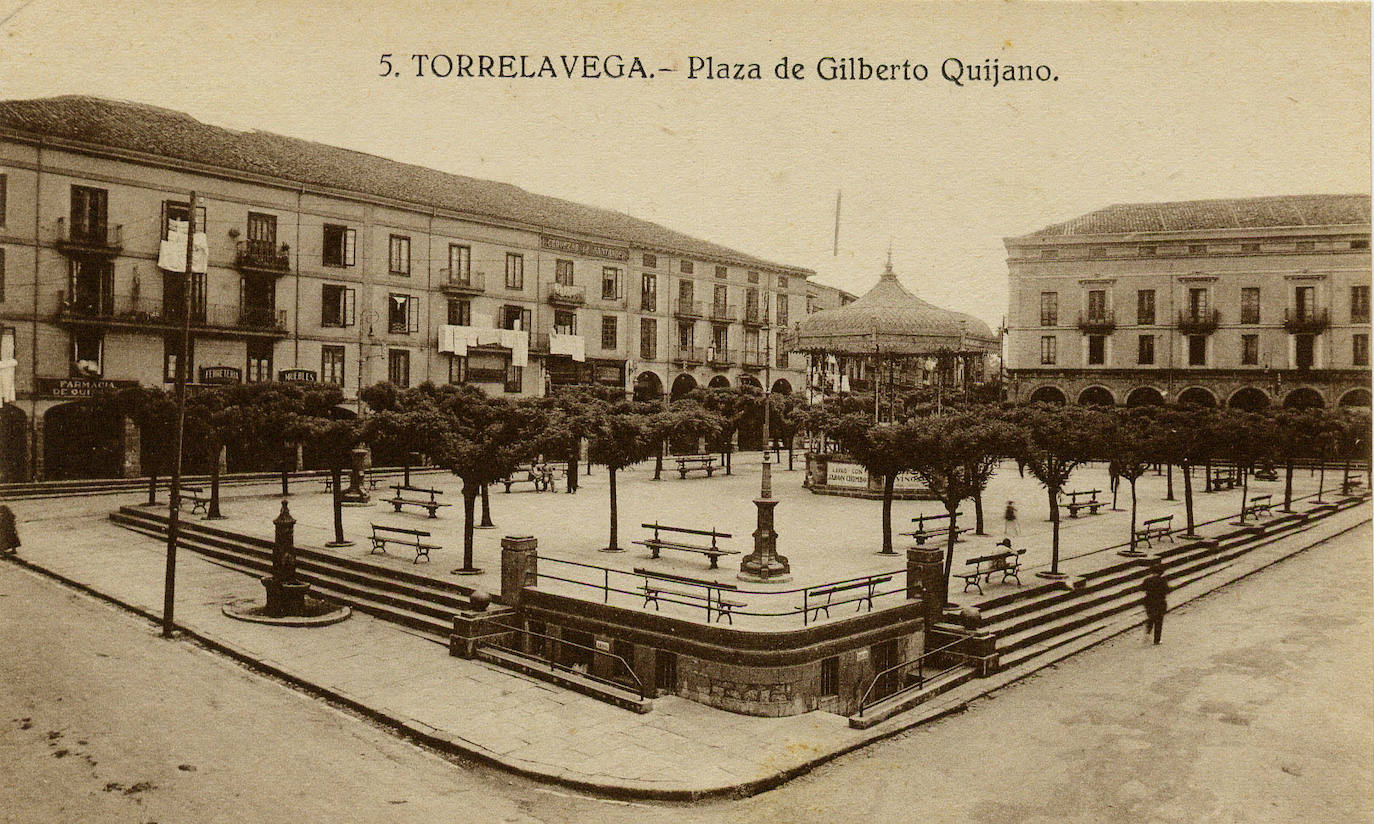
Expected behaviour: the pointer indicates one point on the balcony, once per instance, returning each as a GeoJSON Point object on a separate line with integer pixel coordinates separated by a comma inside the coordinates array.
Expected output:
{"type": "Point", "coordinates": [723, 311]}
{"type": "Point", "coordinates": [688, 354]}
{"type": "Point", "coordinates": [486, 374]}
{"type": "Point", "coordinates": [89, 239]}
{"type": "Point", "coordinates": [262, 256]}
{"type": "Point", "coordinates": [687, 308]}
{"type": "Point", "coordinates": [563, 294]}
{"type": "Point", "coordinates": [470, 283]}
{"type": "Point", "coordinates": [1097, 323]}
{"type": "Point", "coordinates": [1306, 321]}
{"type": "Point", "coordinates": [1198, 323]}
{"type": "Point", "coordinates": [135, 313]}
{"type": "Point", "coordinates": [752, 361]}
{"type": "Point", "coordinates": [754, 316]}
{"type": "Point", "coordinates": [718, 356]}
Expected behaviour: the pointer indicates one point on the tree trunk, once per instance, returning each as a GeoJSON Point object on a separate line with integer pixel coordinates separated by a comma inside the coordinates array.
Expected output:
{"type": "Point", "coordinates": [469, 509]}
{"type": "Point", "coordinates": [1116, 482]}
{"type": "Point", "coordinates": [1207, 479]}
{"type": "Point", "coordinates": [888, 482]}
{"type": "Point", "coordinates": [1188, 495]}
{"type": "Point", "coordinates": [1288, 486]}
{"type": "Point", "coordinates": [336, 475]}
{"type": "Point", "coordinates": [285, 475]}
{"type": "Point", "coordinates": [1321, 480]}
{"type": "Point", "coordinates": [658, 460]}
{"type": "Point", "coordinates": [1054, 530]}
{"type": "Point", "coordinates": [213, 512]}
{"type": "Point", "coordinates": [953, 510]}
{"type": "Point", "coordinates": [572, 466]}
{"type": "Point", "coordinates": [1244, 493]}
{"type": "Point", "coordinates": [1169, 494]}
{"type": "Point", "coordinates": [978, 512]}
{"type": "Point", "coordinates": [1345, 478]}
{"type": "Point", "coordinates": [789, 454]}
{"type": "Point", "coordinates": [614, 545]}
{"type": "Point", "coordinates": [486, 508]}
{"type": "Point", "coordinates": [1132, 480]}
{"type": "Point", "coordinates": [152, 487]}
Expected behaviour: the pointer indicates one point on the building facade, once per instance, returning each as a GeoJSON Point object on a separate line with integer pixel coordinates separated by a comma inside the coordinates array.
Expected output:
{"type": "Point", "coordinates": [332, 266]}
{"type": "Point", "coordinates": [1244, 303]}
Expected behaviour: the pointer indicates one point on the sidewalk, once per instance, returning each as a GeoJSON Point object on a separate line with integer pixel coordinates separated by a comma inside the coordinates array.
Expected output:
{"type": "Point", "coordinates": [680, 750]}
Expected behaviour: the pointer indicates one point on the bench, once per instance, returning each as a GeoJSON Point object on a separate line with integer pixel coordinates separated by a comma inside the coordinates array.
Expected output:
{"type": "Point", "coordinates": [868, 586]}
{"type": "Point", "coordinates": [410, 538]}
{"type": "Point", "coordinates": [713, 552]}
{"type": "Point", "coordinates": [928, 526]}
{"type": "Point", "coordinates": [920, 536]}
{"type": "Point", "coordinates": [1224, 475]}
{"type": "Point", "coordinates": [1259, 505]}
{"type": "Point", "coordinates": [1092, 504]}
{"type": "Point", "coordinates": [537, 475]}
{"type": "Point", "coordinates": [1155, 528]}
{"type": "Point", "coordinates": [196, 495]}
{"type": "Point", "coordinates": [689, 463]}
{"type": "Point", "coordinates": [658, 584]}
{"type": "Point", "coordinates": [371, 479]}
{"type": "Point", "coordinates": [431, 505]}
{"type": "Point", "coordinates": [985, 566]}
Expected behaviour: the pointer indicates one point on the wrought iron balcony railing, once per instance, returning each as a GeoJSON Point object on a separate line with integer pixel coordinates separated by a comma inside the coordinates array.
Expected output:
{"type": "Point", "coordinates": [100, 238]}
{"type": "Point", "coordinates": [1306, 321]}
{"type": "Point", "coordinates": [723, 311]}
{"type": "Point", "coordinates": [567, 294]}
{"type": "Point", "coordinates": [463, 283]}
{"type": "Point", "coordinates": [688, 354]}
{"type": "Point", "coordinates": [262, 256]}
{"type": "Point", "coordinates": [1097, 323]}
{"type": "Point", "coordinates": [687, 308]}
{"type": "Point", "coordinates": [1198, 323]}
{"type": "Point", "coordinates": [136, 311]}
{"type": "Point", "coordinates": [755, 315]}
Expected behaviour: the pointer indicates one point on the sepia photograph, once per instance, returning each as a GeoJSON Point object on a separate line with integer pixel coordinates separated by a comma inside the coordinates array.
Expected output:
{"type": "Point", "coordinates": [779, 413]}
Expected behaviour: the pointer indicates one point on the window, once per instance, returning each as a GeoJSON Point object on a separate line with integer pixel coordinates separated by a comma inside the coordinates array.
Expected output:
{"type": "Point", "coordinates": [1048, 353]}
{"type": "Point", "coordinates": [1097, 251]}
{"type": "Point", "coordinates": [1049, 308]}
{"type": "Point", "coordinates": [753, 277]}
{"type": "Point", "coordinates": [1359, 244]}
{"type": "Point", "coordinates": [648, 339]}
{"type": "Point", "coordinates": [459, 312]}
{"type": "Point", "coordinates": [402, 314]}
{"type": "Point", "coordinates": [563, 272]}
{"type": "Point", "coordinates": [332, 365]}
{"type": "Point", "coordinates": [259, 361]}
{"type": "Point", "coordinates": [2, 275]}
{"type": "Point", "coordinates": [1249, 248]}
{"type": "Point", "coordinates": [751, 341]}
{"type": "Point", "coordinates": [515, 271]}
{"type": "Point", "coordinates": [1145, 307]}
{"type": "Point", "coordinates": [721, 298]}
{"type": "Point", "coordinates": [1359, 304]}
{"type": "Point", "coordinates": [89, 214]}
{"type": "Point", "coordinates": [1249, 304]}
{"type": "Point", "coordinates": [721, 271]}
{"type": "Point", "coordinates": [720, 339]}
{"type": "Point", "coordinates": [1147, 251]}
{"type": "Point", "coordinates": [685, 293]}
{"type": "Point", "coordinates": [515, 317]}
{"type": "Point", "coordinates": [1304, 301]}
{"type": "Point", "coordinates": [751, 304]}
{"type": "Point", "coordinates": [398, 367]}
{"type": "Point", "coordinates": [1097, 350]}
{"type": "Point", "coordinates": [1197, 350]}
{"type": "Point", "coordinates": [460, 263]}
{"type": "Point", "coordinates": [610, 283]}
{"type": "Point", "coordinates": [565, 322]}
{"type": "Point", "coordinates": [1305, 350]}
{"type": "Point", "coordinates": [457, 369]}
{"type": "Point", "coordinates": [1249, 350]}
{"type": "Point", "coordinates": [88, 354]}
{"type": "Point", "coordinates": [648, 293]}
{"type": "Point", "coordinates": [1359, 354]}
{"type": "Point", "coordinates": [830, 676]}
{"type": "Point", "coordinates": [685, 267]}
{"type": "Point", "coordinates": [337, 305]}
{"type": "Point", "coordinates": [1145, 350]}
{"type": "Point", "coordinates": [780, 351]}
{"type": "Point", "coordinates": [608, 333]}
{"type": "Point", "coordinates": [1097, 303]}
{"type": "Point", "coordinates": [180, 210]}
{"type": "Point", "coordinates": [398, 259]}
{"type": "Point", "coordinates": [650, 261]}
{"type": "Point", "coordinates": [782, 281]}
{"type": "Point", "coordinates": [686, 334]}
{"type": "Point", "coordinates": [340, 245]}
{"type": "Point", "coordinates": [171, 345]}
{"type": "Point", "coordinates": [1197, 304]}
{"type": "Point", "coordinates": [262, 236]}
{"type": "Point", "coordinates": [515, 378]}
{"type": "Point", "coordinates": [782, 310]}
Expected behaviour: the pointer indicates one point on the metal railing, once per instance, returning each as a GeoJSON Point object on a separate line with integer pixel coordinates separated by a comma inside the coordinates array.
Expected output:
{"type": "Point", "coordinates": [755, 315]}
{"type": "Point", "coordinates": [463, 282]}
{"type": "Point", "coordinates": [552, 659]}
{"type": "Point", "coordinates": [567, 293]}
{"type": "Point", "coordinates": [1199, 323]}
{"type": "Point", "coordinates": [921, 678]}
{"type": "Point", "coordinates": [723, 311]}
{"type": "Point", "coordinates": [687, 308]}
{"type": "Point", "coordinates": [1306, 321]}
{"type": "Point", "coordinates": [98, 235]}
{"type": "Point", "coordinates": [690, 354]}
{"type": "Point", "coordinates": [262, 255]}
{"type": "Point", "coordinates": [1103, 322]}
{"type": "Point", "coordinates": [132, 309]}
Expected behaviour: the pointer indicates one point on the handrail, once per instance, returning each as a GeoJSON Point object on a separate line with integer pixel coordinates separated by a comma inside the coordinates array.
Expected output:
{"type": "Point", "coordinates": [920, 674]}
{"type": "Point", "coordinates": [639, 685]}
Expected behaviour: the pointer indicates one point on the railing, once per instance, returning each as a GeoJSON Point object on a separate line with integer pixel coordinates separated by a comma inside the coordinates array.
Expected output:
{"type": "Point", "coordinates": [486, 374]}
{"type": "Point", "coordinates": [1198, 323]}
{"type": "Point", "coordinates": [98, 236]}
{"type": "Point", "coordinates": [1097, 322]}
{"type": "Point", "coordinates": [552, 643]}
{"type": "Point", "coordinates": [570, 294]}
{"type": "Point", "coordinates": [689, 354]}
{"type": "Point", "coordinates": [1306, 321]}
{"type": "Point", "coordinates": [262, 255]}
{"type": "Point", "coordinates": [921, 678]}
{"type": "Point", "coordinates": [751, 360]}
{"type": "Point", "coordinates": [718, 356]}
{"type": "Point", "coordinates": [687, 308]}
{"type": "Point", "coordinates": [471, 282]}
{"type": "Point", "coordinates": [755, 315]}
{"type": "Point", "coordinates": [782, 603]}
{"type": "Point", "coordinates": [130, 309]}
{"type": "Point", "coordinates": [723, 311]}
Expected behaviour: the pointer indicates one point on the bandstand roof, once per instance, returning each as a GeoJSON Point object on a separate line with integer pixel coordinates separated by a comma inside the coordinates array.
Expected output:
{"type": "Point", "coordinates": [892, 321]}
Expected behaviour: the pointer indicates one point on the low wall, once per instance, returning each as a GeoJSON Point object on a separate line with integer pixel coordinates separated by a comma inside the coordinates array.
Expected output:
{"type": "Point", "coordinates": [839, 474]}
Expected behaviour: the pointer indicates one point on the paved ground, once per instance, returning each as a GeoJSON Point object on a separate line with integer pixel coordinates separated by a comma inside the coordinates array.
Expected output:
{"type": "Point", "coordinates": [1255, 709]}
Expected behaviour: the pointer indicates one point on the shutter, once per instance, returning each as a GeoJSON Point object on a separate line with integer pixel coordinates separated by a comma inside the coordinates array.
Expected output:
{"type": "Point", "coordinates": [349, 307]}
{"type": "Point", "coordinates": [412, 314]}
{"type": "Point", "coordinates": [525, 316]}
{"type": "Point", "coordinates": [350, 246]}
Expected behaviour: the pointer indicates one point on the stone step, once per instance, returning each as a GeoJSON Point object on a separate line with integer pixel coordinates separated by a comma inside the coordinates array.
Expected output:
{"type": "Point", "coordinates": [577, 682]}
{"type": "Point", "coordinates": [901, 702]}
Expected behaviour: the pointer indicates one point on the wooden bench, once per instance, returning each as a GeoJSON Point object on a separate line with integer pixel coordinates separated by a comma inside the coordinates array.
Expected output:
{"type": "Point", "coordinates": [1155, 528]}
{"type": "Point", "coordinates": [196, 495]}
{"type": "Point", "coordinates": [868, 586]}
{"type": "Point", "coordinates": [929, 526]}
{"type": "Point", "coordinates": [1224, 475]}
{"type": "Point", "coordinates": [431, 505]}
{"type": "Point", "coordinates": [658, 584]}
{"type": "Point", "coordinates": [985, 566]}
{"type": "Point", "coordinates": [533, 474]}
{"type": "Point", "coordinates": [371, 479]}
{"type": "Point", "coordinates": [410, 538]}
{"type": "Point", "coordinates": [689, 463]}
{"type": "Point", "coordinates": [1259, 505]}
{"type": "Point", "coordinates": [1092, 504]}
{"type": "Point", "coordinates": [713, 551]}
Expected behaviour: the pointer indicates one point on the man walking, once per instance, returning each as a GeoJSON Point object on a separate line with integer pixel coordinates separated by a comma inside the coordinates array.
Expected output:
{"type": "Point", "coordinates": [1156, 603]}
{"type": "Point", "coordinates": [1009, 526]}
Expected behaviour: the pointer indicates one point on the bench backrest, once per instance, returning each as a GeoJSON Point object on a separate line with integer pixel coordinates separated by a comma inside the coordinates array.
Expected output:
{"type": "Point", "coordinates": [1160, 520]}
{"type": "Point", "coordinates": [419, 533]}
{"type": "Point", "coordinates": [826, 590]}
{"type": "Point", "coordinates": [657, 527]}
{"type": "Point", "coordinates": [1000, 556]}
{"type": "Point", "coordinates": [404, 488]}
{"type": "Point", "coordinates": [682, 579]}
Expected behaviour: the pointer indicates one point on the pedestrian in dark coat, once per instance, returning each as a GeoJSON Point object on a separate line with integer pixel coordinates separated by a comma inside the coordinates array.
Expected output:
{"type": "Point", "coordinates": [9, 534]}
{"type": "Point", "coordinates": [1156, 600]}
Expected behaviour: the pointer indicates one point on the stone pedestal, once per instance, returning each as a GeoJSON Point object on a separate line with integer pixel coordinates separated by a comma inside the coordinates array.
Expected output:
{"type": "Point", "coordinates": [285, 597]}
{"type": "Point", "coordinates": [925, 572]}
{"type": "Point", "coordinates": [519, 567]}
{"type": "Point", "coordinates": [356, 494]}
{"type": "Point", "coordinates": [764, 564]}
{"type": "Point", "coordinates": [475, 628]}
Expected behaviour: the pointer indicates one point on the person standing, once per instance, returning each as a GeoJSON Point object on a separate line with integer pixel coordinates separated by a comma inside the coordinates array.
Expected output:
{"type": "Point", "coordinates": [9, 532]}
{"type": "Point", "coordinates": [1156, 600]}
{"type": "Point", "coordinates": [1009, 526]}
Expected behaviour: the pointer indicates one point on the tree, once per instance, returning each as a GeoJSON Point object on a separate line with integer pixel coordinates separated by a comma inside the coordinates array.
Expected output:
{"type": "Point", "coordinates": [335, 439]}
{"type": "Point", "coordinates": [1186, 438]}
{"type": "Point", "coordinates": [1131, 444]}
{"type": "Point", "coordinates": [1244, 438]}
{"type": "Point", "coordinates": [154, 412]}
{"type": "Point", "coordinates": [1295, 435]}
{"type": "Point", "coordinates": [883, 450]}
{"type": "Point", "coordinates": [731, 405]}
{"type": "Point", "coordinates": [1352, 442]}
{"type": "Point", "coordinates": [624, 437]}
{"type": "Point", "coordinates": [1056, 440]}
{"type": "Point", "coordinates": [571, 414]}
{"type": "Point", "coordinates": [785, 420]}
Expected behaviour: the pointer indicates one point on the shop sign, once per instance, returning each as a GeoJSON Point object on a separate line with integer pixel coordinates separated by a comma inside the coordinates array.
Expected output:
{"type": "Point", "coordinates": [846, 475]}
{"type": "Point", "coordinates": [583, 248]}
{"type": "Point", "coordinates": [298, 376]}
{"type": "Point", "coordinates": [220, 374]}
{"type": "Point", "coordinates": [907, 482]}
{"type": "Point", "coordinates": [75, 387]}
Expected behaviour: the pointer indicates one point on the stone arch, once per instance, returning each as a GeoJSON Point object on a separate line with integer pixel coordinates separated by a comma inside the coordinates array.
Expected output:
{"type": "Point", "coordinates": [1145, 396]}
{"type": "Point", "coordinates": [683, 385]}
{"type": "Point", "coordinates": [648, 387]}
{"type": "Point", "coordinates": [1248, 398]}
{"type": "Point", "coordinates": [14, 444]}
{"type": "Point", "coordinates": [81, 440]}
{"type": "Point", "coordinates": [1048, 394]}
{"type": "Point", "coordinates": [719, 382]}
{"type": "Point", "coordinates": [1197, 396]}
{"type": "Point", "coordinates": [1304, 398]}
{"type": "Point", "coordinates": [782, 387]}
{"type": "Point", "coordinates": [1355, 397]}
{"type": "Point", "coordinates": [751, 381]}
{"type": "Point", "coordinates": [1096, 396]}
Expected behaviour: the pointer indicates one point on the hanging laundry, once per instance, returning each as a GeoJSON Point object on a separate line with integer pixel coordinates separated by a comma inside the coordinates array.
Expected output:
{"type": "Point", "coordinates": [574, 346]}
{"type": "Point", "coordinates": [172, 253]}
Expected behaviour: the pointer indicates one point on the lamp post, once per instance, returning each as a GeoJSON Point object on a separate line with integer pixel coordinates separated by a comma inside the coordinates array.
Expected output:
{"type": "Point", "coordinates": [764, 564]}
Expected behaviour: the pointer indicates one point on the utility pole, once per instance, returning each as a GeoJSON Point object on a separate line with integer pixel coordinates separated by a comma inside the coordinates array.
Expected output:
{"type": "Point", "coordinates": [174, 505]}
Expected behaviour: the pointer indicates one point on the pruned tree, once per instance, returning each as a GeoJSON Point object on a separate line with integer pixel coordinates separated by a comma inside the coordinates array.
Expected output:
{"type": "Point", "coordinates": [883, 450]}
{"type": "Point", "coordinates": [1245, 439]}
{"type": "Point", "coordinates": [1131, 443]}
{"type": "Point", "coordinates": [335, 438]}
{"type": "Point", "coordinates": [786, 418]}
{"type": "Point", "coordinates": [625, 436]}
{"type": "Point", "coordinates": [1186, 439]}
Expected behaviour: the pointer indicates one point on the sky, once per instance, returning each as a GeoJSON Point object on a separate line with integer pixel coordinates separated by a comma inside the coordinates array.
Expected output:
{"type": "Point", "coordinates": [1150, 102]}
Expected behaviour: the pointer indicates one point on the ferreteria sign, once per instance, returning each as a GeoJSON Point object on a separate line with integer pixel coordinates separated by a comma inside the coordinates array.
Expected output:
{"type": "Point", "coordinates": [583, 248]}
{"type": "Point", "coordinates": [220, 374]}
{"type": "Point", "coordinates": [75, 387]}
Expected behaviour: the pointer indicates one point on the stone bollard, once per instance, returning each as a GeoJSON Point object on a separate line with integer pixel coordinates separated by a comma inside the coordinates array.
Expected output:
{"type": "Point", "coordinates": [355, 494]}
{"type": "Point", "coordinates": [285, 592]}
{"type": "Point", "coordinates": [925, 567]}
{"type": "Point", "coordinates": [519, 567]}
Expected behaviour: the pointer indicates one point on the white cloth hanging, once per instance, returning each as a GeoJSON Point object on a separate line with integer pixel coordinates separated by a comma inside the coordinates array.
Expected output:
{"type": "Point", "coordinates": [456, 339]}
{"type": "Point", "coordinates": [172, 253]}
{"type": "Point", "coordinates": [574, 346]}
